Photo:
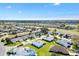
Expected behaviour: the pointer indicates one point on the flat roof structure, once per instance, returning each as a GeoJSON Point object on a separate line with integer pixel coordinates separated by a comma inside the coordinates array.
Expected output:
{"type": "Point", "coordinates": [38, 43]}
{"type": "Point", "coordinates": [21, 51]}
{"type": "Point", "coordinates": [64, 42]}
{"type": "Point", "coordinates": [49, 39]}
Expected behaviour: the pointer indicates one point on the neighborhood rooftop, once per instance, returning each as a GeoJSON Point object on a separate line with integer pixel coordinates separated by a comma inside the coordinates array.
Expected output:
{"type": "Point", "coordinates": [20, 51]}
{"type": "Point", "coordinates": [59, 49]}
{"type": "Point", "coordinates": [48, 38]}
{"type": "Point", "coordinates": [38, 43]}
{"type": "Point", "coordinates": [64, 42]}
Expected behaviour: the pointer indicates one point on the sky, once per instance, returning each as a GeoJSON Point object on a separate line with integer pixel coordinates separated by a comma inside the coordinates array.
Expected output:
{"type": "Point", "coordinates": [39, 11]}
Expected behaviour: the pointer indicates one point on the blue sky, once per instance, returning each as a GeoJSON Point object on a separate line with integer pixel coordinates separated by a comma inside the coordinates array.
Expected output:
{"type": "Point", "coordinates": [39, 11]}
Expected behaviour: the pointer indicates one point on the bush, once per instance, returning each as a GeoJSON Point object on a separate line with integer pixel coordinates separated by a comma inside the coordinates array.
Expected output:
{"type": "Point", "coordinates": [75, 46]}
{"type": "Point", "coordinates": [8, 41]}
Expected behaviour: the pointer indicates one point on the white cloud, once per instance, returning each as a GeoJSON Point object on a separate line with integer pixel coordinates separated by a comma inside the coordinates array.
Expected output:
{"type": "Point", "coordinates": [19, 11]}
{"type": "Point", "coordinates": [8, 7]}
{"type": "Point", "coordinates": [56, 4]}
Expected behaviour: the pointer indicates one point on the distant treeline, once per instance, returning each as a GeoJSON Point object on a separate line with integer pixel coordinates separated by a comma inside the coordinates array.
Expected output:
{"type": "Point", "coordinates": [42, 21]}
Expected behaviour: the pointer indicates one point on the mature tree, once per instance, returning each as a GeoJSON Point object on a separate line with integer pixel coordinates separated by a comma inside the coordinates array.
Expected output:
{"type": "Point", "coordinates": [55, 30]}
{"type": "Point", "coordinates": [33, 29]}
{"type": "Point", "coordinates": [2, 40]}
{"type": "Point", "coordinates": [44, 30]}
{"type": "Point", "coordinates": [62, 25]}
{"type": "Point", "coordinates": [67, 27]}
{"type": "Point", "coordinates": [75, 46]}
{"type": "Point", "coordinates": [78, 28]}
{"type": "Point", "coordinates": [14, 32]}
{"type": "Point", "coordinates": [8, 41]}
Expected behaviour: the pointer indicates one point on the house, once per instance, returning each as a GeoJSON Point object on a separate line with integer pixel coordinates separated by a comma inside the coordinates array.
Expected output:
{"type": "Point", "coordinates": [32, 35]}
{"type": "Point", "coordinates": [49, 39]}
{"type": "Point", "coordinates": [67, 40]}
{"type": "Point", "coordinates": [22, 51]}
{"type": "Point", "coordinates": [21, 34]}
{"type": "Point", "coordinates": [2, 50]}
{"type": "Point", "coordinates": [38, 43]}
{"type": "Point", "coordinates": [14, 40]}
{"type": "Point", "coordinates": [64, 42]}
{"type": "Point", "coordinates": [3, 34]}
{"type": "Point", "coordinates": [19, 39]}
{"type": "Point", "coordinates": [24, 37]}
{"type": "Point", "coordinates": [49, 33]}
{"type": "Point", "coordinates": [67, 36]}
{"type": "Point", "coordinates": [59, 50]}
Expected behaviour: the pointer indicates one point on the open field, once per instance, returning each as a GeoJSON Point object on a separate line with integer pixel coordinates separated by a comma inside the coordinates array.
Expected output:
{"type": "Point", "coordinates": [72, 32]}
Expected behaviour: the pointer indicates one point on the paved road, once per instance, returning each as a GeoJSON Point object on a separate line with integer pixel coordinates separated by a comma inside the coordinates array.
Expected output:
{"type": "Point", "coordinates": [2, 48]}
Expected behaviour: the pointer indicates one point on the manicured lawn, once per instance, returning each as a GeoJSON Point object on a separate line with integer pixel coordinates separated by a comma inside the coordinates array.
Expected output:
{"type": "Point", "coordinates": [43, 51]}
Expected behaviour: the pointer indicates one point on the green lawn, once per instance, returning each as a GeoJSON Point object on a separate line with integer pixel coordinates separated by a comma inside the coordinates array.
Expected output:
{"type": "Point", "coordinates": [43, 51]}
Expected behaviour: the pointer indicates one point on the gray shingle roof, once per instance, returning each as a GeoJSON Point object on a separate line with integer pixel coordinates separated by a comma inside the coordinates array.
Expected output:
{"type": "Point", "coordinates": [59, 49]}
{"type": "Point", "coordinates": [20, 39]}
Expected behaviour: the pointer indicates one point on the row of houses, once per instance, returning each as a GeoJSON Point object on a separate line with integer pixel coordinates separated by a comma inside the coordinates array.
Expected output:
{"type": "Point", "coordinates": [19, 39]}
{"type": "Point", "coordinates": [3, 34]}
{"type": "Point", "coordinates": [60, 34]}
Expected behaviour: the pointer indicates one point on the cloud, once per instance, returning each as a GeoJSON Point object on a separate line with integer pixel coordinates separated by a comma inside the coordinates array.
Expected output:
{"type": "Point", "coordinates": [56, 4]}
{"type": "Point", "coordinates": [8, 7]}
{"type": "Point", "coordinates": [19, 11]}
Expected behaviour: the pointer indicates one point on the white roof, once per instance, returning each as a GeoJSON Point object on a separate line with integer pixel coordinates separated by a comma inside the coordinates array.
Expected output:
{"type": "Point", "coordinates": [49, 38]}
{"type": "Point", "coordinates": [38, 44]}
{"type": "Point", "coordinates": [64, 42]}
{"type": "Point", "coordinates": [24, 52]}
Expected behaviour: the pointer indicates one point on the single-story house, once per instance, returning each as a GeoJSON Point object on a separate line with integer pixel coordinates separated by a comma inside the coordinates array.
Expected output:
{"type": "Point", "coordinates": [3, 34]}
{"type": "Point", "coordinates": [32, 35]}
{"type": "Point", "coordinates": [2, 50]}
{"type": "Point", "coordinates": [38, 43]}
{"type": "Point", "coordinates": [21, 51]}
{"type": "Point", "coordinates": [59, 50]}
{"type": "Point", "coordinates": [21, 34]}
{"type": "Point", "coordinates": [49, 33]}
{"type": "Point", "coordinates": [49, 39]}
{"type": "Point", "coordinates": [65, 42]}
{"type": "Point", "coordinates": [24, 37]}
{"type": "Point", "coordinates": [19, 39]}
{"type": "Point", "coordinates": [69, 41]}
